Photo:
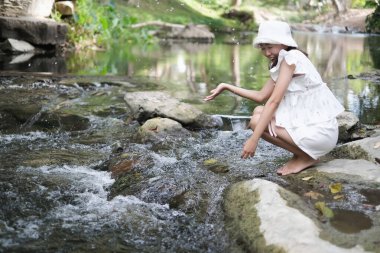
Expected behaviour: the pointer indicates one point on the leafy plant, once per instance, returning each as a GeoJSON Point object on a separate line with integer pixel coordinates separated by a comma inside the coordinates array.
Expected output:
{"type": "Point", "coordinates": [100, 23]}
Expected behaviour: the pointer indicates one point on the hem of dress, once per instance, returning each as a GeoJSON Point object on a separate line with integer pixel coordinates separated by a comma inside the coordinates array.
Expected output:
{"type": "Point", "coordinates": [299, 146]}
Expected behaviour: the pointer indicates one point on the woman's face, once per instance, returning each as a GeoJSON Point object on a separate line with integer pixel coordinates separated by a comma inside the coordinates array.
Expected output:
{"type": "Point", "coordinates": [271, 51]}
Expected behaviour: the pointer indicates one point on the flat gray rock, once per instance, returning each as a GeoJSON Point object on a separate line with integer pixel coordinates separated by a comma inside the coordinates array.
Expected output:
{"type": "Point", "coordinates": [362, 169]}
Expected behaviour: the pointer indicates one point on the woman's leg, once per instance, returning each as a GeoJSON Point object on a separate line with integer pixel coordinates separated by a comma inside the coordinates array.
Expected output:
{"type": "Point", "coordinates": [300, 160]}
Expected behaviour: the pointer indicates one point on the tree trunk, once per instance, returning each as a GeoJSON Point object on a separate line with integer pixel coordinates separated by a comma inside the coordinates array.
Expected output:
{"type": "Point", "coordinates": [340, 6]}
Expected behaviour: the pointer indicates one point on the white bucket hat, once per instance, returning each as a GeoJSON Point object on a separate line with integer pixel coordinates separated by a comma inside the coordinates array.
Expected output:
{"type": "Point", "coordinates": [274, 32]}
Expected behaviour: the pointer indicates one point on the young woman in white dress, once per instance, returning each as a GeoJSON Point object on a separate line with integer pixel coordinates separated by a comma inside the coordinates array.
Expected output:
{"type": "Point", "coordinates": [300, 111]}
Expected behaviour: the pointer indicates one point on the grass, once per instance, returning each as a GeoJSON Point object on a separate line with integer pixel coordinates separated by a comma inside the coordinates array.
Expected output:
{"type": "Point", "coordinates": [179, 12]}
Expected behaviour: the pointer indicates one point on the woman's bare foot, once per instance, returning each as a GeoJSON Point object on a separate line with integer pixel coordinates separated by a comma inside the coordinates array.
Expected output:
{"type": "Point", "coordinates": [279, 171]}
{"type": "Point", "coordinates": [296, 164]}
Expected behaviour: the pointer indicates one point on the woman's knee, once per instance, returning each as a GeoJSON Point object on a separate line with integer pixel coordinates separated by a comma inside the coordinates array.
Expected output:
{"type": "Point", "coordinates": [258, 109]}
{"type": "Point", "coordinates": [254, 120]}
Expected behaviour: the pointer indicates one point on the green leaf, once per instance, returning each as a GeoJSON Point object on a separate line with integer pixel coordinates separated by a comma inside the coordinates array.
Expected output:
{"type": "Point", "coordinates": [326, 211]}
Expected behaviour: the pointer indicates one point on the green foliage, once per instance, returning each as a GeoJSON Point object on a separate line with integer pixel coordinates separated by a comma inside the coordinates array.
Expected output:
{"type": "Point", "coordinates": [101, 23]}
{"type": "Point", "coordinates": [373, 21]}
{"type": "Point", "coordinates": [55, 15]}
{"type": "Point", "coordinates": [180, 12]}
{"type": "Point", "coordinates": [371, 3]}
{"type": "Point", "coordinates": [358, 3]}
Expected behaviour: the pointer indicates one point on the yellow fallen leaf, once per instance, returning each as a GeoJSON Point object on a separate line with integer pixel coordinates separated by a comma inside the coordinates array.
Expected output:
{"type": "Point", "coordinates": [326, 211]}
{"type": "Point", "coordinates": [313, 195]}
{"type": "Point", "coordinates": [377, 145]}
{"type": "Point", "coordinates": [307, 178]}
{"type": "Point", "coordinates": [209, 162]}
{"type": "Point", "coordinates": [335, 188]}
{"type": "Point", "coordinates": [340, 196]}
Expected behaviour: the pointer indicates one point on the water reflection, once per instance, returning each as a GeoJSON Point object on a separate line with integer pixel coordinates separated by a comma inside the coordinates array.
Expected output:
{"type": "Point", "coordinates": [189, 70]}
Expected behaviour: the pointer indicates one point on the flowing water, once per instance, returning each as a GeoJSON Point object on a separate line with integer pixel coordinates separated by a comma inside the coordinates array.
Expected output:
{"type": "Point", "coordinates": [57, 132]}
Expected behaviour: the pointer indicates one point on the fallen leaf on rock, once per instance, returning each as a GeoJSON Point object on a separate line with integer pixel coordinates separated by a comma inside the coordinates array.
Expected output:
{"type": "Point", "coordinates": [326, 211]}
{"type": "Point", "coordinates": [335, 188]}
{"type": "Point", "coordinates": [313, 195]}
{"type": "Point", "coordinates": [377, 145]}
{"type": "Point", "coordinates": [340, 196]}
{"type": "Point", "coordinates": [307, 178]}
{"type": "Point", "coordinates": [209, 162]}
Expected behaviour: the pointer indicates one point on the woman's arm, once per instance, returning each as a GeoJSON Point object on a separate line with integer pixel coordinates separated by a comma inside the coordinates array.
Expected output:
{"type": "Point", "coordinates": [257, 96]}
{"type": "Point", "coordinates": [285, 76]}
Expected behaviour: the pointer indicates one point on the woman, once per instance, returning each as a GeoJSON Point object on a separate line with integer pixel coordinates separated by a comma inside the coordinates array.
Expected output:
{"type": "Point", "coordinates": [300, 111]}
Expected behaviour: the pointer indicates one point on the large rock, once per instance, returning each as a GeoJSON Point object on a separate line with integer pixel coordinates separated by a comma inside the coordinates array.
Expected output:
{"type": "Point", "coordinates": [150, 104]}
{"type": "Point", "coordinates": [16, 46]}
{"type": "Point", "coordinates": [367, 148]}
{"type": "Point", "coordinates": [348, 122]}
{"type": "Point", "coordinates": [17, 8]}
{"type": "Point", "coordinates": [66, 8]}
{"type": "Point", "coordinates": [261, 218]}
{"type": "Point", "coordinates": [190, 32]}
{"type": "Point", "coordinates": [352, 170]}
{"type": "Point", "coordinates": [37, 31]}
{"type": "Point", "coordinates": [161, 127]}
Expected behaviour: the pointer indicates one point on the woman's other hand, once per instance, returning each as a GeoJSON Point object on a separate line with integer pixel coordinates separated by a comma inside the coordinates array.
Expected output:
{"type": "Point", "coordinates": [249, 148]}
{"type": "Point", "coordinates": [215, 92]}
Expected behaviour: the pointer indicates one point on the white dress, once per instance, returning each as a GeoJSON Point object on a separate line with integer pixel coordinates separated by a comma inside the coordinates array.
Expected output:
{"type": "Point", "coordinates": [308, 110]}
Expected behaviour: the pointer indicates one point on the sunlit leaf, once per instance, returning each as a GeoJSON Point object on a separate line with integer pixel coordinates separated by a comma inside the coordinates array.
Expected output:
{"type": "Point", "coordinates": [313, 195]}
{"type": "Point", "coordinates": [339, 196]}
{"type": "Point", "coordinates": [307, 178]}
{"type": "Point", "coordinates": [335, 188]}
{"type": "Point", "coordinates": [326, 211]}
{"type": "Point", "coordinates": [209, 162]}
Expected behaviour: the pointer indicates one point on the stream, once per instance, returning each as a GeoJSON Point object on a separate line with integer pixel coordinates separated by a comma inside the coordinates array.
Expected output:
{"type": "Point", "coordinates": [59, 129]}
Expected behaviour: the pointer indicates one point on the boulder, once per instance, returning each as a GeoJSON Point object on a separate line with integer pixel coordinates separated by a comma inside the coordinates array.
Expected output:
{"type": "Point", "coordinates": [150, 104]}
{"type": "Point", "coordinates": [260, 216]}
{"type": "Point", "coordinates": [37, 31]}
{"type": "Point", "coordinates": [367, 149]}
{"type": "Point", "coordinates": [348, 122]}
{"type": "Point", "coordinates": [191, 32]}
{"type": "Point", "coordinates": [16, 46]}
{"type": "Point", "coordinates": [66, 8]}
{"type": "Point", "coordinates": [19, 8]}
{"type": "Point", "coordinates": [351, 170]}
{"type": "Point", "coordinates": [161, 127]}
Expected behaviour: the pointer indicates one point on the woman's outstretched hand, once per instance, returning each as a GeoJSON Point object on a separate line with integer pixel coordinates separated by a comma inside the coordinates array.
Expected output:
{"type": "Point", "coordinates": [215, 92]}
{"type": "Point", "coordinates": [249, 148]}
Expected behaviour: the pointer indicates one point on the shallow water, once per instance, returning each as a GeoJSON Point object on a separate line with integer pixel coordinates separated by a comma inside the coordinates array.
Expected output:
{"type": "Point", "coordinates": [54, 200]}
{"type": "Point", "coordinates": [190, 70]}
{"type": "Point", "coordinates": [350, 222]}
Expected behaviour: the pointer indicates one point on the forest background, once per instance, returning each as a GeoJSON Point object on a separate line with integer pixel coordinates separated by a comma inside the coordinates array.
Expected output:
{"type": "Point", "coordinates": [101, 23]}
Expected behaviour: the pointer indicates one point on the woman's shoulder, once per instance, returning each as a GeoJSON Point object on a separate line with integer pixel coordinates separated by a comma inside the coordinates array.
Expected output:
{"type": "Point", "coordinates": [292, 53]}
